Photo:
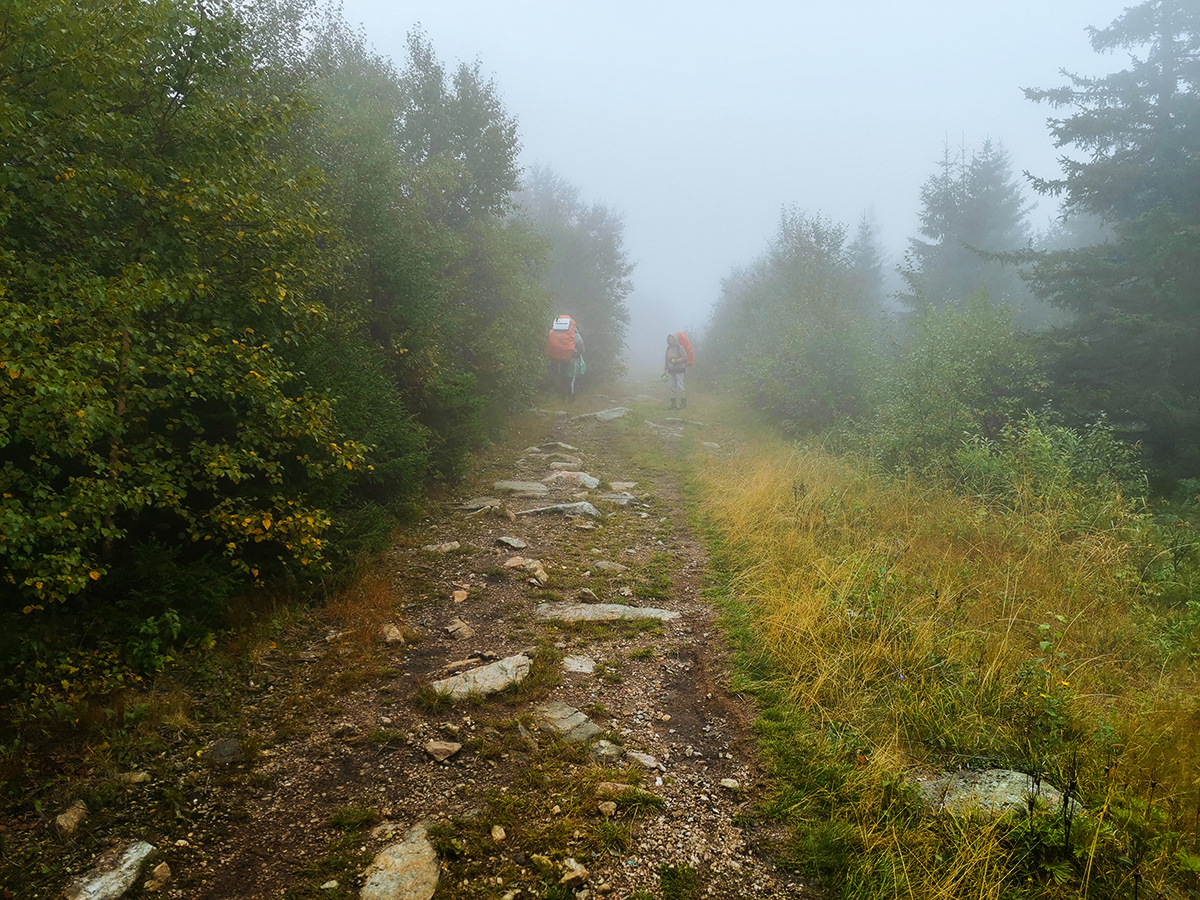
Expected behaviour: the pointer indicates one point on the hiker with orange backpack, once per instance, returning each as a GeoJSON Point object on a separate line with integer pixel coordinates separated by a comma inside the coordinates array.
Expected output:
{"type": "Point", "coordinates": [564, 346]}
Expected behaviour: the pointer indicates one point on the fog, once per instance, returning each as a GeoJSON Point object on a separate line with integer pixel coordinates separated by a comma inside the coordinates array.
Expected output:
{"type": "Point", "coordinates": [699, 121]}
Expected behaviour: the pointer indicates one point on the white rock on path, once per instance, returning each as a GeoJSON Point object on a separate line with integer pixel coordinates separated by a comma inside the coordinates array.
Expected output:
{"type": "Point", "coordinates": [485, 680]}
{"type": "Point", "coordinates": [513, 543]}
{"type": "Point", "coordinates": [582, 665]}
{"type": "Point", "coordinates": [565, 721]}
{"type": "Point", "coordinates": [448, 547]}
{"type": "Point", "coordinates": [574, 479]}
{"type": "Point", "coordinates": [600, 612]}
{"type": "Point", "coordinates": [522, 489]}
{"type": "Point", "coordinates": [114, 873]}
{"type": "Point", "coordinates": [407, 870]}
{"type": "Point", "coordinates": [605, 415]}
{"type": "Point", "coordinates": [583, 508]}
{"type": "Point", "coordinates": [69, 821]}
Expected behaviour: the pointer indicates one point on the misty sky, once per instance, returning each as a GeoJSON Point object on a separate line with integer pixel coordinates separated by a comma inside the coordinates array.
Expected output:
{"type": "Point", "coordinates": [699, 120]}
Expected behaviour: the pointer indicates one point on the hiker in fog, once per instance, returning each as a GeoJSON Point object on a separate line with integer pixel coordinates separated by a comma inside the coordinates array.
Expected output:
{"type": "Point", "coordinates": [564, 347]}
{"type": "Point", "coordinates": [675, 367]}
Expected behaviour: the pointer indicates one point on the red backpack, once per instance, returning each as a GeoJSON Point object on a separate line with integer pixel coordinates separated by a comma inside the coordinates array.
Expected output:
{"type": "Point", "coordinates": [560, 342]}
{"type": "Point", "coordinates": [687, 347]}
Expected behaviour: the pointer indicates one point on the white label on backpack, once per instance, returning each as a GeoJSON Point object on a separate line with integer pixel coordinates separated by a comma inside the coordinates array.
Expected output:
{"type": "Point", "coordinates": [562, 323]}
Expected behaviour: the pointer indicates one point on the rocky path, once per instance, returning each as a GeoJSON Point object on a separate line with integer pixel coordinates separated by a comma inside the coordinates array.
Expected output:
{"type": "Point", "coordinates": [530, 702]}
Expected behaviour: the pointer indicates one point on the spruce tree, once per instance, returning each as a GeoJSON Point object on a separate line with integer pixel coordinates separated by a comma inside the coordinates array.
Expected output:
{"type": "Point", "coordinates": [1133, 351]}
{"type": "Point", "coordinates": [971, 207]}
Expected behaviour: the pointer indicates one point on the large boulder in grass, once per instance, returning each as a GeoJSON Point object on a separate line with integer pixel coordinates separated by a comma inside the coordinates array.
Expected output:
{"type": "Point", "coordinates": [988, 791]}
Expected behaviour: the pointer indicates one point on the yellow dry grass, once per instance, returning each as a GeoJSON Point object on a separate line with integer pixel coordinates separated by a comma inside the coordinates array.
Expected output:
{"type": "Point", "coordinates": [934, 625]}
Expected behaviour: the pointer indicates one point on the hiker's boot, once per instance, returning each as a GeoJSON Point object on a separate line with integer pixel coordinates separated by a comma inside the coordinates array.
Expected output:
{"type": "Point", "coordinates": [683, 402]}
{"type": "Point", "coordinates": [672, 406]}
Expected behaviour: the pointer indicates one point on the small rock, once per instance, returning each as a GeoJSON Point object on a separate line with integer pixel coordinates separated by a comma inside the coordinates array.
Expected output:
{"type": "Point", "coordinates": [442, 750]}
{"type": "Point", "coordinates": [533, 566]}
{"type": "Point", "coordinates": [540, 860]}
{"type": "Point", "coordinates": [158, 878]}
{"type": "Point", "coordinates": [343, 730]}
{"type": "Point", "coordinates": [564, 466]}
{"type": "Point", "coordinates": [623, 485]}
{"type": "Point", "coordinates": [645, 760]}
{"type": "Point", "coordinates": [460, 630]}
{"type": "Point", "coordinates": [498, 834]}
{"type": "Point", "coordinates": [459, 596]}
{"type": "Point", "coordinates": [607, 807]}
{"type": "Point", "coordinates": [612, 789]}
{"type": "Point", "coordinates": [605, 752]}
{"type": "Point", "coordinates": [114, 873]}
{"type": "Point", "coordinates": [551, 446]}
{"type": "Point", "coordinates": [583, 665]}
{"type": "Point", "coordinates": [448, 547]}
{"type": "Point", "coordinates": [710, 445]}
{"type": "Point", "coordinates": [606, 566]}
{"type": "Point", "coordinates": [68, 822]}
{"type": "Point", "coordinates": [513, 543]}
{"type": "Point", "coordinates": [134, 777]}
{"type": "Point", "coordinates": [731, 783]}
{"type": "Point", "coordinates": [391, 635]}
{"type": "Point", "coordinates": [478, 503]}
{"type": "Point", "coordinates": [574, 874]}
{"type": "Point", "coordinates": [225, 752]}
{"type": "Point", "coordinates": [566, 721]}
{"type": "Point", "coordinates": [330, 886]}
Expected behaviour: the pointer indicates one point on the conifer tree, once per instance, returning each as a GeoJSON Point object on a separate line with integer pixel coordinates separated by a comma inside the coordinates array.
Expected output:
{"type": "Point", "coordinates": [972, 206]}
{"type": "Point", "coordinates": [1134, 348]}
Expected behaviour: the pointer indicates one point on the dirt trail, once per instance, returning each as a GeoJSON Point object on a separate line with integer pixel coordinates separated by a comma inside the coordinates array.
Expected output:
{"type": "Point", "coordinates": [331, 763]}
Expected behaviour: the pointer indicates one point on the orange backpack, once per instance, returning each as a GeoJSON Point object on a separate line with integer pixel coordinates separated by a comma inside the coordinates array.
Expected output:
{"type": "Point", "coordinates": [560, 342]}
{"type": "Point", "coordinates": [687, 347]}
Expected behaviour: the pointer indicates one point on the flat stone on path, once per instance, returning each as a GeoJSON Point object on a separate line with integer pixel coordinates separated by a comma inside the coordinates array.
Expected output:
{"type": "Point", "coordinates": [519, 489]}
{"type": "Point", "coordinates": [676, 421]}
{"type": "Point", "coordinates": [448, 547]}
{"type": "Point", "coordinates": [584, 665]}
{"type": "Point", "coordinates": [620, 499]}
{"type": "Point", "coordinates": [485, 680]}
{"type": "Point", "coordinates": [575, 479]}
{"type": "Point", "coordinates": [442, 750]}
{"type": "Point", "coordinates": [407, 870]}
{"type": "Point", "coordinates": [551, 446]}
{"type": "Point", "coordinates": [600, 612]}
{"type": "Point", "coordinates": [583, 508]}
{"type": "Point", "coordinates": [565, 721]}
{"type": "Point", "coordinates": [460, 630]}
{"type": "Point", "coordinates": [624, 485]}
{"type": "Point", "coordinates": [480, 503]}
{"type": "Point", "coordinates": [114, 873]}
{"type": "Point", "coordinates": [513, 543]}
{"type": "Point", "coordinates": [606, 566]}
{"type": "Point", "coordinates": [566, 466]}
{"type": "Point", "coordinates": [605, 415]}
